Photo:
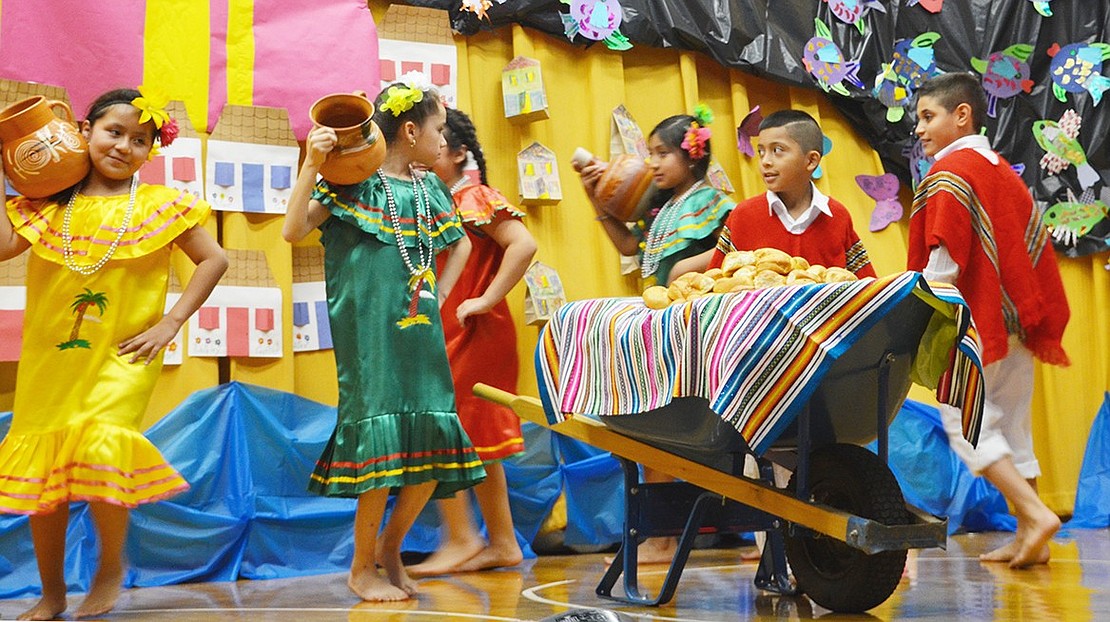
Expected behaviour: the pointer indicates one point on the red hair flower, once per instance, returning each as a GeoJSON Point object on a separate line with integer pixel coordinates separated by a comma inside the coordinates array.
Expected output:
{"type": "Point", "coordinates": [695, 139]}
{"type": "Point", "coordinates": [168, 133]}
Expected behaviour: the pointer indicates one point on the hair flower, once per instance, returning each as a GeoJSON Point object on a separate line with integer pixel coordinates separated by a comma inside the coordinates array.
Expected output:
{"type": "Point", "coordinates": [416, 80]}
{"type": "Point", "coordinates": [703, 114]}
{"type": "Point", "coordinates": [694, 140]}
{"type": "Point", "coordinates": [401, 98]}
{"type": "Point", "coordinates": [152, 105]}
{"type": "Point", "coordinates": [168, 133]}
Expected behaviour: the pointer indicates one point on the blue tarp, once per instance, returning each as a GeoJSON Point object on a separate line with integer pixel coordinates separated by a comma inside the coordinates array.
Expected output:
{"type": "Point", "coordinates": [1092, 494]}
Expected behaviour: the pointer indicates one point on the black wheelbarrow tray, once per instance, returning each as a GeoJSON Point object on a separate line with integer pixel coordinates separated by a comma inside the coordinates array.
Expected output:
{"type": "Point", "coordinates": [793, 376]}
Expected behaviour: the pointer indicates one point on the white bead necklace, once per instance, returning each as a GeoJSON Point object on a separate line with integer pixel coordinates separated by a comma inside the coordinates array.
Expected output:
{"type": "Point", "coordinates": [67, 239]}
{"type": "Point", "coordinates": [661, 227]}
{"type": "Point", "coordinates": [458, 185]}
{"type": "Point", "coordinates": [423, 216]}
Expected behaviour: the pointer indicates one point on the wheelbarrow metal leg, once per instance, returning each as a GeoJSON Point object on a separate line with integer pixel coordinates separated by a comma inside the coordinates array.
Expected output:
{"type": "Point", "coordinates": [773, 574]}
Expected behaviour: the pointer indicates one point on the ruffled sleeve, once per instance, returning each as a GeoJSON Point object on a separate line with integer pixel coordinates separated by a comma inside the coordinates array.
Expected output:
{"type": "Point", "coordinates": [365, 205]}
{"type": "Point", "coordinates": [160, 215]}
{"type": "Point", "coordinates": [479, 204]}
{"type": "Point", "coordinates": [699, 217]}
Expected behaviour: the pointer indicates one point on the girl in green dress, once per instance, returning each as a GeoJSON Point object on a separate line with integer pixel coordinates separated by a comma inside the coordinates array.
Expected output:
{"type": "Point", "coordinates": [397, 424]}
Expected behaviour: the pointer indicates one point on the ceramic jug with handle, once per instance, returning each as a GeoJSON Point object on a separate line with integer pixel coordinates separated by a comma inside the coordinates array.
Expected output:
{"type": "Point", "coordinates": [43, 153]}
{"type": "Point", "coordinates": [361, 147]}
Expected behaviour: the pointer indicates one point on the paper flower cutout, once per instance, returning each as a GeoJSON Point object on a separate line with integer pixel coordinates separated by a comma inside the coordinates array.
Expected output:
{"type": "Point", "coordinates": [1060, 140]}
{"type": "Point", "coordinates": [884, 189]}
{"type": "Point", "coordinates": [1077, 67]}
{"type": "Point", "coordinates": [1072, 219]}
{"type": "Point", "coordinates": [932, 6]}
{"type": "Point", "coordinates": [1005, 74]}
{"type": "Point", "coordinates": [748, 129]}
{"type": "Point", "coordinates": [824, 61]}
{"type": "Point", "coordinates": [597, 19]}
{"type": "Point", "coordinates": [852, 11]}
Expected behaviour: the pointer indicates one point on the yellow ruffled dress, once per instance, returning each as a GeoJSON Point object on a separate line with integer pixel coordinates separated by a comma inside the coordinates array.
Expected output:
{"type": "Point", "coordinates": [74, 433]}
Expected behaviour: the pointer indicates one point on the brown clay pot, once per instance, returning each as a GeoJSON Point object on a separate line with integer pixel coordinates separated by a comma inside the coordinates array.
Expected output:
{"type": "Point", "coordinates": [43, 154]}
{"type": "Point", "coordinates": [623, 186]}
{"type": "Point", "coordinates": [361, 147]}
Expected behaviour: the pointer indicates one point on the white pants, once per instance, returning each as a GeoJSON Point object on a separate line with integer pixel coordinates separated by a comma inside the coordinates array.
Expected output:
{"type": "Point", "coordinates": [1007, 426]}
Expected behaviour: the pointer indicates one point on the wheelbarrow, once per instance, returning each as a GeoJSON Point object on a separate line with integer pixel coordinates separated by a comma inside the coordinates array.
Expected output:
{"type": "Point", "coordinates": [841, 522]}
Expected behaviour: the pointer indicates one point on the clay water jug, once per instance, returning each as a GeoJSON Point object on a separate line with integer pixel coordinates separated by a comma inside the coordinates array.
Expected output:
{"type": "Point", "coordinates": [624, 187]}
{"type": "Point", "coordinates": [361, 147]}
{"type": "Point", "coordinates": [43, 153]}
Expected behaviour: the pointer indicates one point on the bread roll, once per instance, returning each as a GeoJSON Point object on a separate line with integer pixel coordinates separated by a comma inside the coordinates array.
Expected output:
{"type": "Point", "coordinates": [818, 272]}
{"type": "Point", "coordinates": [714, 273]}
{"type": "Point", "coordinates": [800, 277]}
{"type": "Point", "coordinates": [655, 297]}
{"type": "Point", "coordinates": [773, 259]}
{"type": "Point", "coordinates": [798, 263]}
{"type": "Point", "coordinates": [726, 284]}
{"type": "Point", "coordinates": [736, 260]}
{"type": "Point", "coordinates": [839, 275]}
{"type": "Point", "coordinates": [701, 283]}
{"type": "Point", "coordinates": [768, 278]}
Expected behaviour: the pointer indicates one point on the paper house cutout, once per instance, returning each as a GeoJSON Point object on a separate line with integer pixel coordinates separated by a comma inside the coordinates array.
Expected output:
{"type": "Point", "coordinates": [174, 352]}
{"type": "Point", "coordinates": [180, 165]}
{"type": "Point", "coordinates": [538, 174]}
{"type": "Point", "coordinates": [718, 178]}
{"type": "Point", "coordinates": [242, 315]}
{"type": "Point", "coordinates": [252, 157]}
{"type": "Point", "coordinates": [522, 90]}
{"type": "Point", "coordinates": [13, 302]}
{"type": "Point", "coordinates": [311, 324]}
{"type": "Point", "coordinates": [545, 293]}
{"type": "Point", "coordinates": [419, 39]}
{"type": "Point", "coordinates": [625, 135]}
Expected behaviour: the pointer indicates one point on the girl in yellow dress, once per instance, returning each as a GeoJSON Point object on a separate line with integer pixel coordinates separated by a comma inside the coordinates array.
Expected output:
{"type": "Point", "coordinates": [93, 330]}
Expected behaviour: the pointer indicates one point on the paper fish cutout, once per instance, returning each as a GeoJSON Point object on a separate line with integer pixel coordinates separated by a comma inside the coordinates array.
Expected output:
{"type": "Point", "coordinates": [571, 27]}
{"type": "Point", "coordinates": [1042, 7]}
{"type": "Point", "coordinates": [891, 93]}
{"type": "Point", "coordinates": [932, 6]}
{"type": "Point", "coordinates": [1005, 74]}
{"type": "Point", "coordinates": [852, 11]}
{"type": "Point", "coordinates": [912, 62]}
{"type": "Point", "coordinates": [1070, 220]}
{"type": "Point", "coordinates": [919, 163]}
{"type": "Point", "coordinates": [748, 129]}
{"type": "Point", "coordinates": [1077, 67]}
{"type": "Point", "coordinates": [826, 147]}
{"type": "Point", "coordinates": [884, 189]}
{"type": "Point", "coordinates": [1062, 148]}
{"type": "Point", "coordinates": [597, 19]}
{"type": "Point", "coordinates": [824, 61]}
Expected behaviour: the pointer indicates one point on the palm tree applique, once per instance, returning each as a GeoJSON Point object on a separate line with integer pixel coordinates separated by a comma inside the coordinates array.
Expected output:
{"type": "Point", "coordinates": [81, 303]}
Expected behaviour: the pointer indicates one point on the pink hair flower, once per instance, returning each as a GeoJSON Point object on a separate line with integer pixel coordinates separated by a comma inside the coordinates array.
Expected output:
{"type": "Point", "coordinates": [695, 139]}
{"type": "Point", "coordinates": [169, 132]}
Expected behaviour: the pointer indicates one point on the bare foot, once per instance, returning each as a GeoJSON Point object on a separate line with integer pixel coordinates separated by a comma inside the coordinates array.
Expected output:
{"type": "Point", "coordinates": [653, 551]}
{"type": "Point", "coordinates": [395, 572]}
{"type": "Point", "coordinates": [102, 595]}
{"type": "Point", "coordinates": [1034, 546]}
{"type": "Point", "coordinates": [371, 586]}
{"type": "Point", "coordinates": [751, 555]}
{"type": "Point", "coordinates": [449, 558]}
{"type": "Point", "coordinates": [494, 557]}
{"type": "Point", "coordinates": [45, 609]}
{"type": "Point", "coordinates": [1003, 553]}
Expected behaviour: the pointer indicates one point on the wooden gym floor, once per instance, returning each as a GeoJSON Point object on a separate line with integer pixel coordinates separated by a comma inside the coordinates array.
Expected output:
{"type": "Point", "coordinates": [939, 585]}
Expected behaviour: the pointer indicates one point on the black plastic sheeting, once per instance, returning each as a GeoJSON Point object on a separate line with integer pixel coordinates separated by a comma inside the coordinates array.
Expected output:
{"type": "Point", "coordinates": [766, 38]}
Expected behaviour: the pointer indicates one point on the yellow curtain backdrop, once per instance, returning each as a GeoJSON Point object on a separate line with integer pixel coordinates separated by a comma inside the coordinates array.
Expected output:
{"type": "Point", "coordinates": [583, 86]}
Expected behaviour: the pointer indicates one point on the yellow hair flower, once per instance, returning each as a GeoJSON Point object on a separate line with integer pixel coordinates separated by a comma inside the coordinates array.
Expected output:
{"type": "Point", "coordinates": [152, 104]}
{"type": "Point", "coordinates": [401, 98]}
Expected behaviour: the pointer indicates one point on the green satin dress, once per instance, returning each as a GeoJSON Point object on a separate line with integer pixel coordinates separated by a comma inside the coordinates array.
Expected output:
{"type": "Point", "coordinates": [397, 423]}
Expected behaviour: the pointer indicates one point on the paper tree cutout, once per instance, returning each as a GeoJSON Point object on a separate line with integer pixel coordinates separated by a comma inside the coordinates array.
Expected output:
{"type": "Point", "coordinates": [825, 62]}
{"type": "Point", "coordinates": [1072, 219]}
{"type": "Point", "coordinates": [1060, 140]}
{"type": "Point", "coordinates": [747, 130]}
{"type": "Point", "coordinates": [252, 160]}
{"type": "Point", "coordinates": [242, 315]}
{"type": "Point", "coordinates": [414, 38]}
{"type": "Point", "coordinates": [311, 324]}
{"type": "Point", "coordinates": [932, 6]}
{"type": "Point", "coordinates": [544, 295]}
{"type": "Point", "coordinates": [853, 11]}
{"type": "Point", "coordinates": [1042, 7]}
{"type": "Point", "coordinates": [1077, 67]}
{"type": "Point", "coordinates": [538, 175]}
{"type": "Point", "coordinates": [522, 90]}
{"type": "Point", "coordinates": [884, 189]}
{"type": "Point", "coordinates": [1005, 74]}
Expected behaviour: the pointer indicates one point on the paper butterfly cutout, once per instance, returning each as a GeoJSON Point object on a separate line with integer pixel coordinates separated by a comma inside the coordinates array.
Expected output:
{"type": "Point", "coordinates": [748, 129]}
{"type": "Point", "coordinates": [884, 189]}
{"type": "Point", "coordinates": [1060, 140]}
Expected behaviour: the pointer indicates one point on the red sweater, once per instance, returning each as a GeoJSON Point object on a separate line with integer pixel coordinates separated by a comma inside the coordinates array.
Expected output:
{"type": "Point", "coordinates": [984, 216]}
{"type": "Point", "coordinates": [828, 241]}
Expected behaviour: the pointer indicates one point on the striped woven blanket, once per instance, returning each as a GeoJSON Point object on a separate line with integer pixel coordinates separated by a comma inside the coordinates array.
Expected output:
{"type": "Point", "coordinates": [756, 356]}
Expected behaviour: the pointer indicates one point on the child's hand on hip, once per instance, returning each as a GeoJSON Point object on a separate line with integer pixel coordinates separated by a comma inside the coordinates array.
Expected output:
{"type": "Point", "coordinates": [147, 344]}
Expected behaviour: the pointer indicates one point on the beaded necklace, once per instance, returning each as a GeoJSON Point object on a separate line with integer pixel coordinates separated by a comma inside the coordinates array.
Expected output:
{"type": "Point", "coordinates": [661, 227]}
{"type": "Point", "coordinates": [67, 239]}
{"type": "Point", "coordinates": [421, 272]}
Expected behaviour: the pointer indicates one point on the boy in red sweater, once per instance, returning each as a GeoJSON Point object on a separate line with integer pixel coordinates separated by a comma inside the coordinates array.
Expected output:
{"type": "Point", "coordinates": [793, 215]}
{"type": "Point", "coordinates": [974, 225]}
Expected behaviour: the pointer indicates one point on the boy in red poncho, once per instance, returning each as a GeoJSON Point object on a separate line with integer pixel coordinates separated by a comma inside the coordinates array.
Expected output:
{"type": "Point", "coordinates": [974, 225]}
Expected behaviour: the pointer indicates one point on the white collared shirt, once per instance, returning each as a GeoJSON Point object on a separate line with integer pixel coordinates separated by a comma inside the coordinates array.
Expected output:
{"type": "Point", "coordinates": [941, 266]}
{"type": "Point", "coordinates": [798, 226]}
{"type": "Point", "coordinates": [981, 144]}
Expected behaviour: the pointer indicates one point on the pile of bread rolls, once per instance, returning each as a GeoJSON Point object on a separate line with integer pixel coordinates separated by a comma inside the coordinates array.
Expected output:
{"type": "Point", "coordinates": [742, 271]}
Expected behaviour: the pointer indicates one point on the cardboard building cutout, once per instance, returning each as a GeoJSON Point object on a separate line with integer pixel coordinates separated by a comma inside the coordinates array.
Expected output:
{"type": "Point", "coordinates": [311, 323]}
{"type": "Point", "coordinates": [418, 39]}
{"type": "Point", "coordinates": [242, 315]}
{"type": "Point", "coordinates": [252, 161]}
{"type": "Point", "coordinates": [180, 165]}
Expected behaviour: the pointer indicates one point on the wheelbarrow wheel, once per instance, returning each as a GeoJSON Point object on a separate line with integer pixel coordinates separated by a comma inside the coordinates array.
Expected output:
{"type": "Point", "coordinates": [833, 574]}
